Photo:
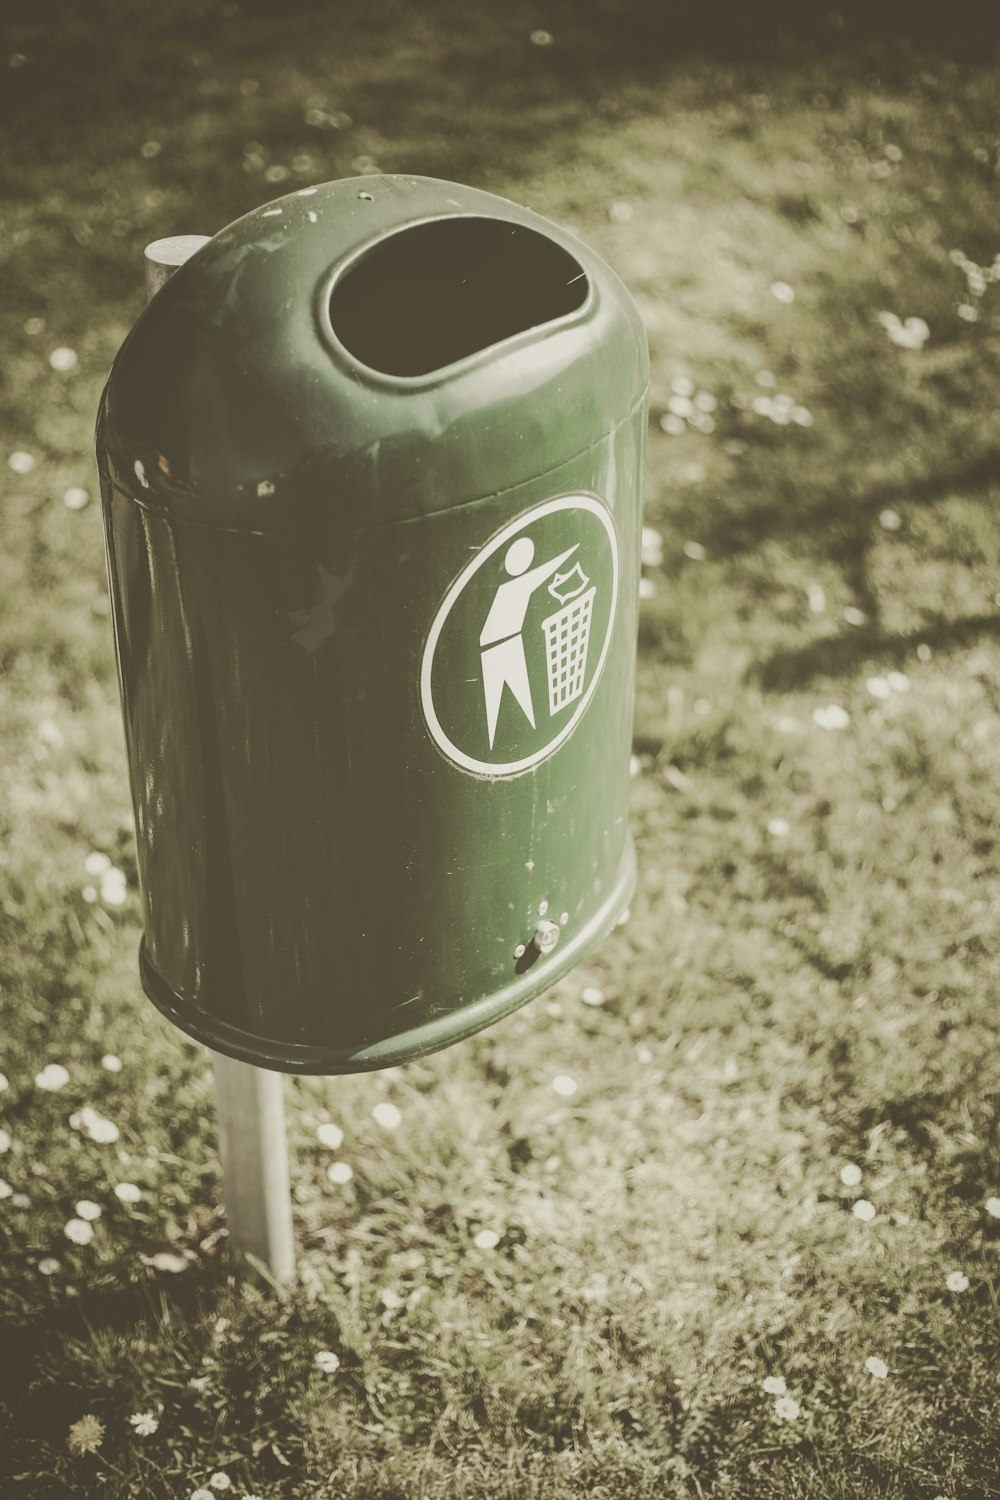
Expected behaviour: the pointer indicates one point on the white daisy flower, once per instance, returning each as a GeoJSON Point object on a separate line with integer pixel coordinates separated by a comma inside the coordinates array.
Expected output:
{"type": "Point", "coordinates": [79, 1231]}
{"type": "Point", "coordinates": [652, 547]}
{"type": "Point", "coordinates": [912, 333]}
{"type": "Point", "coordinates": [166, 1260]}
{"type": "Point", "coordinates": [114, 889]}
{"type": "Point", "coordinates": [94, 1125]}
{"type": "Point", "coordinates": [52, 1077]}
{"type": "Point", "coordinates": [831, 716]}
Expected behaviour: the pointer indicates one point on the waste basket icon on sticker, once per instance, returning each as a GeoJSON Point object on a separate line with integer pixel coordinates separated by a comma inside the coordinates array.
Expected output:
{"type": "Point", "coordinates": [567, 636]}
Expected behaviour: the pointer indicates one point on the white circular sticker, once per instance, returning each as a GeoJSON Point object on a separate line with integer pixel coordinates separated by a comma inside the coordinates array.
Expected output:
{"type": "Point", "coordinates": [518, 643]}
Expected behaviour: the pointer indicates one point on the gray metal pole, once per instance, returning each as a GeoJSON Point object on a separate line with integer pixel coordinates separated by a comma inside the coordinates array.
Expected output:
{"type": "Point", "coordinates": [254, 1150]}
{"type": "Point", "coordinates": [163, 257]}
{"type": "Point", "coordinates": [249, 1102]}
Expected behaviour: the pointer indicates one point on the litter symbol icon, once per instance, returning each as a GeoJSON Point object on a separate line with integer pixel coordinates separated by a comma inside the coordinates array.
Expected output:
{"type": "Point", "coordinates": [537, 666]}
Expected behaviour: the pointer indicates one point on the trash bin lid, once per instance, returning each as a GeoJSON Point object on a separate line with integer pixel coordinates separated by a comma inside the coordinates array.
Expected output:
{"type": "Point", "coordinates": [388, 344]}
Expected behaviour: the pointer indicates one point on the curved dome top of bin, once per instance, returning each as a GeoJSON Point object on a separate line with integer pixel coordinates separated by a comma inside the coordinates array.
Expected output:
{"type": "Point", "coordinates": [396, 344]}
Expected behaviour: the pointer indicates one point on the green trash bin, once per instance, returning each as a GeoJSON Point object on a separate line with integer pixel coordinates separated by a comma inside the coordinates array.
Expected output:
{"type": "Point", "coordinates": [371, 470]}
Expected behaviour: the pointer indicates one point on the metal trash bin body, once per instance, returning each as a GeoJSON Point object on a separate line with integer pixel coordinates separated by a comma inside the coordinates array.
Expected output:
{"type": "Point", "coordinates": [371, 473]}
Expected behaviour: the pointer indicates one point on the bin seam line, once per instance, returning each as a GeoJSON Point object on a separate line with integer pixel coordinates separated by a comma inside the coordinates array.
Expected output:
{"type": "Point", "coordinates": [165, 515]}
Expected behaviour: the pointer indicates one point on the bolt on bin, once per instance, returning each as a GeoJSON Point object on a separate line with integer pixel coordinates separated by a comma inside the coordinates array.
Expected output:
{"type": "Point", "coordinates": [371, 474]}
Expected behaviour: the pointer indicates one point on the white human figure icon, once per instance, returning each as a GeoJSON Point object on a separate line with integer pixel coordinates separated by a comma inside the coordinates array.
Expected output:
{"type": "Point", "coordinates": [504, 661]}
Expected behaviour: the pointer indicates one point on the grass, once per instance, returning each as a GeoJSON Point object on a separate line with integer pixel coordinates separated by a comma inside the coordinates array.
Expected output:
{"type": "Point", "coordinates": [808, 977]}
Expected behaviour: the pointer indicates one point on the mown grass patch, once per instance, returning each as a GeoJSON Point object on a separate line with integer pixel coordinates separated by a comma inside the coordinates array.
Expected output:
{"type": "Point", "coordinates": [777, 1159]}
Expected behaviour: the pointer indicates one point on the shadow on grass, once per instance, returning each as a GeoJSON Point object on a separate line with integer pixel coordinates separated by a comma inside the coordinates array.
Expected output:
{"type": "Point", "coordinates": [843, 528]}
{"type": "Point", "coordinates": [147, 1301]}
{"type": "Point", "coordinates": [46, 1383]}
{"type": "Point", "coordinates": [40, 1383]}
{"type": "Point", "coordinates": [85, 65]}
{"type": "Point", "coordinates": [845, 534]}
{"type": "Point", "coordinates": [841, 655]}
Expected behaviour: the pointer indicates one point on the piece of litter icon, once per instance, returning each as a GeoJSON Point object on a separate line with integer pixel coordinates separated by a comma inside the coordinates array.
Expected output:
{"type": "Point", "coordinates": [558, 589]}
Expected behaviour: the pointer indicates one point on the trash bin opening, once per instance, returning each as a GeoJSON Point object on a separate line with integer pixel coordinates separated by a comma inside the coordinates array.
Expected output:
{"type": "Point", "coordinates": [440, 291]}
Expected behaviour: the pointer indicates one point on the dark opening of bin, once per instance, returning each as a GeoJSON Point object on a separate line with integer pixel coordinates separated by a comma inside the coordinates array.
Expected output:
{"type": "Point", "coordinates": [433, 294]}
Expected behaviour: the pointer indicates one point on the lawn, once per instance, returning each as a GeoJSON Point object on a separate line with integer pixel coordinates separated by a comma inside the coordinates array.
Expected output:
{"type": "Point", "coordinates": [718, 1216]}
